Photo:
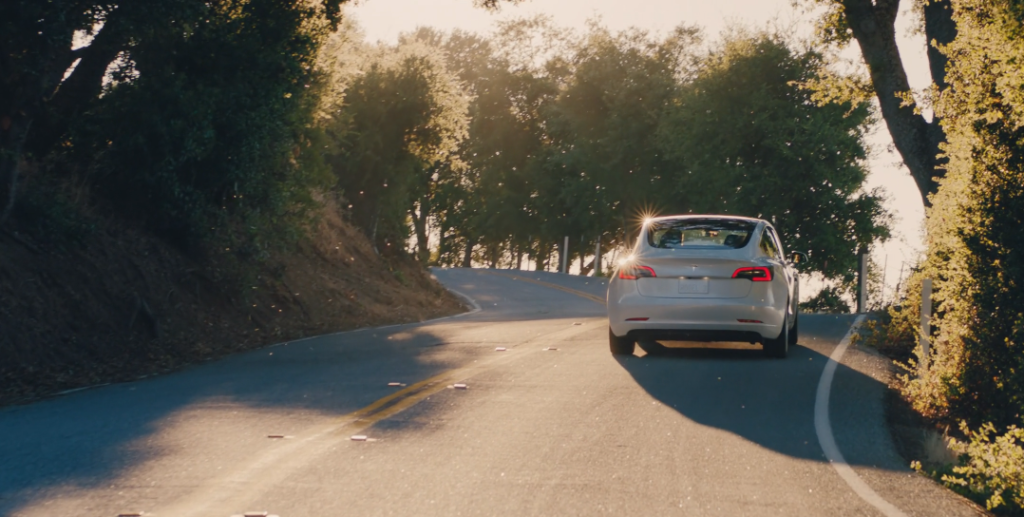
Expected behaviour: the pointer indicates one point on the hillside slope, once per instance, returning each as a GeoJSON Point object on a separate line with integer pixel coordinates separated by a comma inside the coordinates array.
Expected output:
{"type": "Point", "coordinates": [124, 304]}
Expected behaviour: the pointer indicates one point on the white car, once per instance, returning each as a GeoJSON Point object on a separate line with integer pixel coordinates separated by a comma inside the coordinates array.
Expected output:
{"type": "Point", "coordinates": [705, 278]}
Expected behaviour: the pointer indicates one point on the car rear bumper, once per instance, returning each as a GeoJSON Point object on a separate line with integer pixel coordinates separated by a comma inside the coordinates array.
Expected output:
{"type": "Point", "coordinates": [746, 336]}
{"type": "Point", "coordinates": [705, 319]}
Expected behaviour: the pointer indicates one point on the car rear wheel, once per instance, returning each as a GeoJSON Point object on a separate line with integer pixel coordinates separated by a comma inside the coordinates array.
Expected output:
{"type": "Point", "coordinates": [620, 345]}
{"type": "Point", "coordinates": [778, 347]}
{"type": "Point", "coordinates": [794, 332]}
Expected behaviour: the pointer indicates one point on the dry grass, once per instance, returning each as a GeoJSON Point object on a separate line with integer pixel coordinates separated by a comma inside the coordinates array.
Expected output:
{"type": "Point", "coordinates": [124, 304]}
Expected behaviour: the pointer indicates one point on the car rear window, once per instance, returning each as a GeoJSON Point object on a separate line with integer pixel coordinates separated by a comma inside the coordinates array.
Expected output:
{"type": "Point", "coordinates": [704, 233]}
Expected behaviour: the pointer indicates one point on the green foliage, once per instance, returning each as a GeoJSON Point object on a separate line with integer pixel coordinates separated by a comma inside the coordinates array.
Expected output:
{"type": "Point", "coordinates": [893, 333]}
{"type": "Point", "coordinates": [975, 372]}
{"type": "Point", "coordinates": [52, 217]}
{"type": "Point", "coordinates": [829, 299]}
{"type": "Point", "coordinates": [990, 470]}
{"type": "Point", "coordinates": [903, 322]}
{"type": "Point", "coordinates": [605, 162]}
{"type": "Point", "coordinates": [402, 117]}
{"type": "Point", "coordinates": [192, 117]}
{"type": "Point", "coordinates": [492, 200]}
{"type": "Point", "coordinates": [745, 138]}
{"type": "Point", "coordinates": [189, 139]}
{"type": "Point", "coordinates": [831, 27]}
{"type": "Point", "coordinates": [975, 247]}
{"type": "Point", "coordinates": [503, 146]}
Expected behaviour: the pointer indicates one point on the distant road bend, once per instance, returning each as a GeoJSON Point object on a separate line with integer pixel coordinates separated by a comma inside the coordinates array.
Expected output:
{"type": "Point", "coordinates": [549, 423]}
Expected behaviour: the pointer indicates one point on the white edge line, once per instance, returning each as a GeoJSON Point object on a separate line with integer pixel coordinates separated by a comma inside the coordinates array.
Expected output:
{"type": "Point", "coordinates": [476, 306]}
{"type": "Point", "coordinates": [823, 427]}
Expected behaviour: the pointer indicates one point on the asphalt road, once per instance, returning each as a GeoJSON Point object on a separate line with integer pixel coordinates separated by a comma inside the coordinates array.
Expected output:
{"type": "Point", "coordinates": [553, 425]}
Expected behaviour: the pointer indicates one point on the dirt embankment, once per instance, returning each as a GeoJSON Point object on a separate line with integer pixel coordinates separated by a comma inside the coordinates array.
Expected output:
{"type": "Point", "coordinates": [125, 305]}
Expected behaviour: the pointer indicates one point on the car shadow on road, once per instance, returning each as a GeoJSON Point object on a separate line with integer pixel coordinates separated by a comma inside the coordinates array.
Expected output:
{"type": "Point", "coordinates": [769, 402]}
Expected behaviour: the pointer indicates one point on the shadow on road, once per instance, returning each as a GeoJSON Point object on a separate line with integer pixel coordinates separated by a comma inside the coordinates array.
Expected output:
{"type": "Point", "coordinates": [96, 439]}
{"type": "Point", "coordinates": [770, 402]}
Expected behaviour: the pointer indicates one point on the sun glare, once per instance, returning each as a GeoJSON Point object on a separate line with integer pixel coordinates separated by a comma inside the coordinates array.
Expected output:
{"type": "Point", "coordinates": [644, 213]}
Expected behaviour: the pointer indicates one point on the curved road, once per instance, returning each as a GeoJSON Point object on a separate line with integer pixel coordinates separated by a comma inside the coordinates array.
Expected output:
{"type": "Point", "coordinates": [552, 425]}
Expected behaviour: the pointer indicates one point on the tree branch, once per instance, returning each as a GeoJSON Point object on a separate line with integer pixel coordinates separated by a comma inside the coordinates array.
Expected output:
{"type": "Point", "coordinates": [82, 86]}
{"type": "Point", "coordinates": [940, 29]}
{"type": "Point", "coordinates": [873, 28]}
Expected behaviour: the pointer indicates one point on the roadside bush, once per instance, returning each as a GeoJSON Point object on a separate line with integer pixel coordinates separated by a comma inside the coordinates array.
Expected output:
{"type": "Point", "coordinates": [46, 212]}
{"type": "Point", "coordinates": [829, 299]}
{"type": "Point", "coordinates": [895, 331]}
{"type": "Point", "coordinates": [975, 246]}
{"type": "Point", "coordinates": [991, 468]}
{"type": "Point", "coordinates": [886, 334]}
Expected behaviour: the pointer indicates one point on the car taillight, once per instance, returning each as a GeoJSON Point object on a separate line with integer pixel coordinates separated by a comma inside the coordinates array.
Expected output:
{"type": "Point", "coordinates": [631, 272]}
{"type": "Point", "coordinates": [756, 274]}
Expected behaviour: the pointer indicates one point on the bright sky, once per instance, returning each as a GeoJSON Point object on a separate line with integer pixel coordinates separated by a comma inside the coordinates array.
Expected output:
{"type": "Point", "coordinates": [384, 20]}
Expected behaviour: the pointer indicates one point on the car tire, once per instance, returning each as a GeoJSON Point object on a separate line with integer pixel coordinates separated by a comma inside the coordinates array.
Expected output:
{"type": "Point", "coordinates": [778, 347]}
{"type": "Point", "coordinates": [794, 332]}
{"type": "Point", "coordinates": [620, 345]}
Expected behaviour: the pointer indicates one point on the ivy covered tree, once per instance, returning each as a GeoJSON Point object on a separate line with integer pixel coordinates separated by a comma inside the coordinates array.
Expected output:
{"type": "Point", "coordinates": [975, 250]}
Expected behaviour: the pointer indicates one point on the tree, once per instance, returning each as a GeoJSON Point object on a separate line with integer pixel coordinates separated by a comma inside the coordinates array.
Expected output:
{"type": "Point", "coordinates": [188, 140]}
{"type": "Point", "coordinates": [615, 125]}
{"type": "Point", "coordinates": [744, 138]}
{"type": "Point", "coordinates": [45, 82]}
{"type": "Point", "coordinates": [604, 167]}
{"type": "Point", "coordinates": [489, 201]}
{"type": "Point", "coordinates": [401, 121]}
{"type": "Point", "coordinates": [872, 24]}
{"type": "Point", "coordinates": [975, 249]}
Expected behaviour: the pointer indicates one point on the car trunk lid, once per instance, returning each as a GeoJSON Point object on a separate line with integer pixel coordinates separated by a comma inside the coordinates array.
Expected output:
{"type": "Point", "coordinates": [695, 275]}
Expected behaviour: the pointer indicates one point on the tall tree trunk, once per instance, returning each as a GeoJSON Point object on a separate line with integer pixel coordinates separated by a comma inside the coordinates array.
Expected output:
{"type": "Point", "coordinates": [467, 257]}
{"type": "Point", "coordinates": [492, 253]}
{"type": "Point", "coordinates": [873, 26]}
{"type": "Point", "coordinates": [940, 29]}
{"type": "Point", "coordinates": [24, 89]}
{"type": "Point", "coordinates": [419, 222]}
{"type": "Point", "coordinates": [442, 246]}
{"type": "Point", "coordinates": [585, 269]}
{"type": "Point", "coordinates": [530, 255]}
{"type": "Point", "coordinates": [12, 136]}
{"type": "Point", "coordinates": [373, 227]}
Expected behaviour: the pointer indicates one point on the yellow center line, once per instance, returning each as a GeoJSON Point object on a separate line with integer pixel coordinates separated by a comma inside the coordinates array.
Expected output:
{"type": "Point", "coordinates": [249, 481]}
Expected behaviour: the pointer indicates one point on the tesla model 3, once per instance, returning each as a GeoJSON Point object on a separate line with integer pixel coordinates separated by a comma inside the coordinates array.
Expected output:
{"type": "Point", "coordinates": [705, 278]}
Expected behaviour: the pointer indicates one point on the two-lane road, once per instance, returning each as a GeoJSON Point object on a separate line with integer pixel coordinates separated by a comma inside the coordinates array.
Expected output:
{"type": "Point", "coordinates": [552, 425]}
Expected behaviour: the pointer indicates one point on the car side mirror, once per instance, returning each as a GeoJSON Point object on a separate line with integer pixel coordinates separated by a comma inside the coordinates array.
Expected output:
{"type": "Point", "coordinates": [797, 257]}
